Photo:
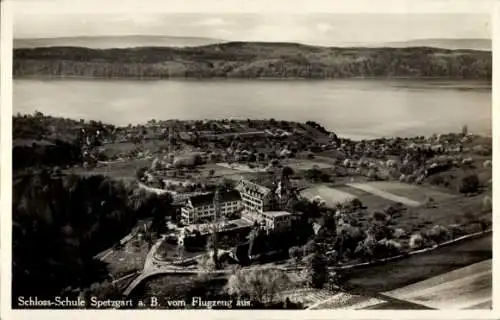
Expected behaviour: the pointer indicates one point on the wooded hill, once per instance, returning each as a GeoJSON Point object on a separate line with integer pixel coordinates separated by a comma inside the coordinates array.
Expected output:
{"type": "Point", "coordinates": [253, 60]}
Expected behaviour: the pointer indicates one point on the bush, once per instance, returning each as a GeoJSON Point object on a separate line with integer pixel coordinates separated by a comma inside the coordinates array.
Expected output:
{"type": "Point", "coordinates": [380, 216]}
{"type": "Point", "coordinates": [389, 247]}
{"type": "Point", "coordinates": [487, 204]}
{"type": "Point", "coordinates": [295, 253]}
{"type": "Point", "coordinates": [456, 231]}
{"type": "Point", "coordinates": [309, 248]}
{"type": "Point", "coordinates": [469, 184]}
{"type": "Point", "coordinates": [417, 241]}
{"type": "Point", "coordinates": [439, 234]}
{"type": "Point", "coordinates": [437, 180]}
{"type": "Point", "coordinates": [399, 233]}
{"type": "Point", "coordinates": [394, 210]}
{"type": "Point", "coordinates": [318, 273]}
{"type": "Point", "coordinates": [356, 204]}
{"type": "Point", "coordinates": [380, 231]}
{"type": "Point", "coordinates": [370, 248]}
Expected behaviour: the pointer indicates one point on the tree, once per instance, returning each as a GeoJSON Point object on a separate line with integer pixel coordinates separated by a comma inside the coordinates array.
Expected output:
{"type": "Point", "coordinates": [417, 241]}
{"type": "Point", "coordinates": [104, 290]}
{"type": "Point", "coordinates": [260, 285]}
{"type": "Point", "coordinates": [370, 248]}
{"type": "Point", "coordinates": [372, 174]}
{"type": "Point", "coordinates": [296, 253]}
{"type": "Point", "coordinates": [337, 279]}
{"type": "Point", "coordinates": [286, 172]}
{"type": "Point", "coordinates": [380, 216]}
{"type": "Point", "coordinates": [465, 130]}
{"type": "Point", "coordinates": [318, 272]}
{"type": "Point", "coordinates": [213, 248]}
{"type": "Point", "coordinates": [254, 233]}
{"type": "Point", "coordinates": [356, 204]}
{"type": "Point", "coordinates": [380, 231]}
{"type": "Point", "coordinates": [438, 234]}
{"type": "Point", "coordinates": [487, 204]}
{"type": "Point", "coordinates": [469, 184]}
{"type": "Point", "coordinates": [309, 248]}
{"type": "Point", "coordinates": [140, 173]}
{"type": "Point", "coordinates": [61, 222]}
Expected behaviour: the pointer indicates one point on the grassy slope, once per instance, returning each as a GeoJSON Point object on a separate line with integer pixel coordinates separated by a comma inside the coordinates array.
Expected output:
{"type": "Point", "coordinates": [253, 60]}
{"type": "Point", "coordinates": [396, 274]}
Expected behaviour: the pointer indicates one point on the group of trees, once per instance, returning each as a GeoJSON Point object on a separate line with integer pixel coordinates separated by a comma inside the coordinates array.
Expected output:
{"type": "Point", "coordinates": [61, 222]}
{"type": "Point", "coordinates": [261, 241]}
{"type": "Point", "coordinates": [253, 60]}
{"type": "Point", "coordinates": [469, 184]}
{"type": "Point", "coordinates": [317, 175]}
{"type": "Point", "coordinates": [45, 141]}
{"type": "Point", "coordinates": [258, 285]}
{"type": "Point", "coordinates": [57, 153]}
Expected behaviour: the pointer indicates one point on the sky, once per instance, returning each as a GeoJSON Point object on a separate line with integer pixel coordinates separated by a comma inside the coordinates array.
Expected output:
{"type": "Point", "coordinates": [313, 22]}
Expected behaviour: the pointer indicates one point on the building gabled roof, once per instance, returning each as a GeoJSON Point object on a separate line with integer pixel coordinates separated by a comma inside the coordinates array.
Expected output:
{"type": "Point", "coordinates": [249, 186]}
{"type": "Point", "coordinates": [206, 199]}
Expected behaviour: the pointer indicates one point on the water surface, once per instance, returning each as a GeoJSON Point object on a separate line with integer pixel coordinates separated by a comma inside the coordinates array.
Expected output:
{"type": "Point", "coordinates": [354, 108]}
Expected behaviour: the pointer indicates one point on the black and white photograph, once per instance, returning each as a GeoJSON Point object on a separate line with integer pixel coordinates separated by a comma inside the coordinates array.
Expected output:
{"type": "Point", "coordinates": [248, 156]}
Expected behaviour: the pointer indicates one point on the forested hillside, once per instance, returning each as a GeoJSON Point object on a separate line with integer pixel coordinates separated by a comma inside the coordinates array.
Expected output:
{"type": "Point", "coordinates": [253, 60]}
{"type": "Point", "coordinates": [61, 221]}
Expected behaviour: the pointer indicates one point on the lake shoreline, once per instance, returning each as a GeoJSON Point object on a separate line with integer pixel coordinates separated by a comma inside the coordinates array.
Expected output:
{"type": "Point", "coordinates": [245, 79]}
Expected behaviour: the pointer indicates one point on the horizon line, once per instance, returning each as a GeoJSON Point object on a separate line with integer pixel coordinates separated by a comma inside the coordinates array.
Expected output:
{"type": "Point", "coordinates": [226, 40]}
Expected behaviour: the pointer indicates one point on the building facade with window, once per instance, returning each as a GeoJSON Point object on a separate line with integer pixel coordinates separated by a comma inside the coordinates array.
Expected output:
{"type": "Point", "coordinates": [264, 205]}
{"type": "Point", "coordinates": [201, 208]}
{"type": "Point", "coordinates": [277, 220]}
{"type": "Point", "coordinates": [256, 198]}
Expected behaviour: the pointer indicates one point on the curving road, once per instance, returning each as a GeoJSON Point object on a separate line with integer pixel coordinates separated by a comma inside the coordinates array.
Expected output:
{"type": "Point", "coordinates": [456, 276]}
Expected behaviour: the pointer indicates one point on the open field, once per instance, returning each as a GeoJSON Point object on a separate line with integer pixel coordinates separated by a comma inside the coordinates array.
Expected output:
{"type": "Point", "coordinates": [380, 194]}
{"type": "Point", "coordinates": [465, 288]}
{"type": "Point", "coordinates": [240, 167]}
{"type": "Point", "coordinates": [384, 194]}
{"type": "Point", "coordinates": [305, 164]}
{"type": "Point", "coordinates": [219, 171]}
{"type": "Point", "coordinates": [116, 148]}
{"type": "Point", "coordinates": [413, 220]}
{"type": "Point", "coordinates": [448, 208]}
{"type": "Point", "coordinates": [413, 192]}
{"type": "Point", "coordinates": [371, 201]}
{"type": "Point", "coordinates": [330, 195]}
{"type": "Point", "coordinates": [396, 274]}
{"type": "Point", "coordinates": [119, 170]}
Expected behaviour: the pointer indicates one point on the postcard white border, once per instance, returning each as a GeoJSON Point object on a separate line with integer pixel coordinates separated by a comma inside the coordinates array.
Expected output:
{"type": "Point", "coordinates": [232, 6]}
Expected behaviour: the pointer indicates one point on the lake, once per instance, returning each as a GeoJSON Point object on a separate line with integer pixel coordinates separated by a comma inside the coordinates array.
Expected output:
{"type": "Point", "coordinates": [357, 108]}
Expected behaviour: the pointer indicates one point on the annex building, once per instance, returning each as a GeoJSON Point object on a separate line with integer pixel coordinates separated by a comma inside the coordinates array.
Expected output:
{"type": "Point", "coordinates": [202, 208]}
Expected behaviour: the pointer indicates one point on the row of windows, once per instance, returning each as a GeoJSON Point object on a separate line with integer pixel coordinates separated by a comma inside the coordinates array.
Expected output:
{"type": "Point", "coordinates": [196, 215]}
{"type": "Point", "coordinates": [251, 197]}
{"type": "Point", "coordinates": [253, 194]}
{"type": "Point", "coordinates": [212, 210]}
{"type": "Point", "coordinates": [223, 204]}
{"type": "Point", "coordinates": [252, 201]}
{"type": "Point", "coordinates": [255, 203]}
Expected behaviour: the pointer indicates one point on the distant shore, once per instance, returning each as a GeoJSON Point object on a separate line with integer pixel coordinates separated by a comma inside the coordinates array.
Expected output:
{"type": "Point", "coordinates": [487, 82]}
{"type": "Point", "coordinates": [254, 60]}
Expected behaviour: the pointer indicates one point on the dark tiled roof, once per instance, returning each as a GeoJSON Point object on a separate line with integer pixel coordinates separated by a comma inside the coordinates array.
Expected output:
{"type": "Point", "coordinates": [206, 199]}
{"type": "Point", "coordinates": [247, 186]}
